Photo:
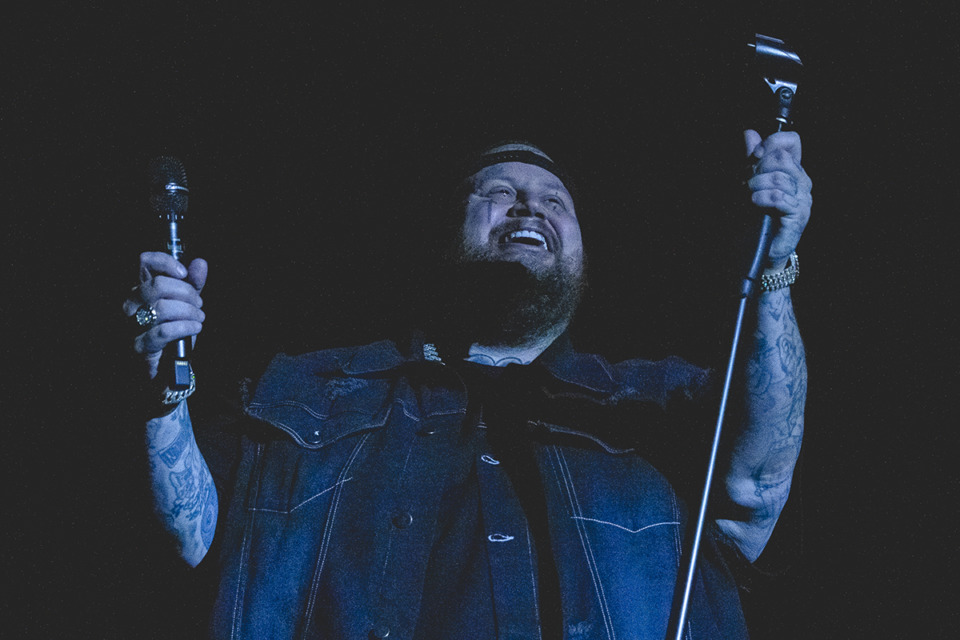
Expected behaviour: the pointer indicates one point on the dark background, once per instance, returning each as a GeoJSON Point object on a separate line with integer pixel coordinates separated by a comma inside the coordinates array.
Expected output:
{"type": "Point", "coordinates": [318, 144]}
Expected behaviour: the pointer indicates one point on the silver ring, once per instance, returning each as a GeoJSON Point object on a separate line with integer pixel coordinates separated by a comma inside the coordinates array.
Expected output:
{"type": "Point", "coordinates": [146, 315]}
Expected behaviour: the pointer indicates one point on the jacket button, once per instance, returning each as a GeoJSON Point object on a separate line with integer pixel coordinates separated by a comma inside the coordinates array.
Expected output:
{"type": "Point", "coordinates": [380, 631]}
{"type": "Point", "coordinates": [402, 521]}
{"type": "Point", "coordinates": [427, 430]}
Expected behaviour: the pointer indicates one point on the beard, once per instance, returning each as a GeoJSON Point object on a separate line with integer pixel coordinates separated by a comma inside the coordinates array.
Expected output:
{"type": "Point", "coordinates": [495, 302]}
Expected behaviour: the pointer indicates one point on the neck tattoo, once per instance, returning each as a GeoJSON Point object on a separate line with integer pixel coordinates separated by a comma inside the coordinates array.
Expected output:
{"type": "Point", "coordinates": [483, 358]}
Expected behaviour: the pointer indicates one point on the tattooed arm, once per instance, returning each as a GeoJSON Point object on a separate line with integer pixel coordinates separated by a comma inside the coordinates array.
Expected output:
{"type": "Point", "coordinates": [764, 452]}
{"type": "Point", "coordinates": [185, 498]}
{"type": "Point", "coordinates": [766, 448]}
{"type": "Point", "coordinates": [184, 494]}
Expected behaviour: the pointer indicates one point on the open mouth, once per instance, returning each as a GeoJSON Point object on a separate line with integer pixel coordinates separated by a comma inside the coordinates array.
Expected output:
{"type": "Point", "coordinates": [525, 237]}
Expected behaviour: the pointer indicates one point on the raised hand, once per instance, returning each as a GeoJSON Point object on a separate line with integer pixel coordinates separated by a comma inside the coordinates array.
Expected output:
{"type": "Point", "coordinates": [168, 297]}
{"type": "Point", "coordinates": [781, 186]}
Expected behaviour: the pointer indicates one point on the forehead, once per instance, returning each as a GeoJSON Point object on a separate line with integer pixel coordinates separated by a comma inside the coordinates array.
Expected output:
{"type": "Point", "coordinates": [520, 174]}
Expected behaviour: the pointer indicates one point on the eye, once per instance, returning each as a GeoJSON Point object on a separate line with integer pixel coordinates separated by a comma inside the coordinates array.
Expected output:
{"type": "Point", "coordinates": [554, 203]}
{"type": "Point", "coordinates": [501, 194]}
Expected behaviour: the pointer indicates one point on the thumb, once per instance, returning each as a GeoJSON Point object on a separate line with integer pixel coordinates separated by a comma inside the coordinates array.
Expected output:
{"type": "Point", "coordinates": [197, 273]}
{"type": "Point", "coordinates": [752, 141]}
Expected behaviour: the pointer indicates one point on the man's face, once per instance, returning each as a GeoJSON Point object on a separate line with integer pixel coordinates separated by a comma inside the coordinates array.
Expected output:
{"type": "Point", "coordinates": [522, 213]}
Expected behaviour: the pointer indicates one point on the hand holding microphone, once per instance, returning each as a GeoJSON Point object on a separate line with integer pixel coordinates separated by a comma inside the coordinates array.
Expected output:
{"type": "Point", "coordinates": [167, 303]}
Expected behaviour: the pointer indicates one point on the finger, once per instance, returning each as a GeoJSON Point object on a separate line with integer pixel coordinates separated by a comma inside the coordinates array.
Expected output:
{"type": "Point", "coordinates": [783, 162]}
{"type": "Point", "coordinates": [197, 273]}
{"type": "Point", "coordinates": [133, 302]}
{"type": "Point", "coordinates": [783, 142]}
{"type": "Point", "coordinates": [154, 292]}
{"type": "Point", "coordinates": [153, 263]}
{"type": "Point", "coordinates": [153, 362]}
{"type": "Point", "coordinates": [158, 337]}
{"type": "Point", "coordinates": [752, 141]}
{"type": "Point", "coordinates": [779, 180]}
{"type": "Point", "coordinates": [778, 160]}
{"type": "Point", "coordinates": [174, 310]}
{"type": "Point", "coordinates": [781, 202]}
{"type": "Point", "coordinates": [163, 287]}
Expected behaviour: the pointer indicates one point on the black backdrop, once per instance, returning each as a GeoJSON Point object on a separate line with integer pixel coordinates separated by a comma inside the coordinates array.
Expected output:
{"type": "Point", "coordinates": [318, 142]}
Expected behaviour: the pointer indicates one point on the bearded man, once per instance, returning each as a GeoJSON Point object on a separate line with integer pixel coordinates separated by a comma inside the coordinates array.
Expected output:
{"type": "Point", "coordinates": [482, 479]}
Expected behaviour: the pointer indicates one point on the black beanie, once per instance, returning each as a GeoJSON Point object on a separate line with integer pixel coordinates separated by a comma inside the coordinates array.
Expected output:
{"type": "Point", "coordinates": [519, 151]}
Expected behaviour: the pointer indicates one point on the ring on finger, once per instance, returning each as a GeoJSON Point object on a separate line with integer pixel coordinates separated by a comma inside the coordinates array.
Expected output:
{"type": "Point", "coordinates": [146, 315]}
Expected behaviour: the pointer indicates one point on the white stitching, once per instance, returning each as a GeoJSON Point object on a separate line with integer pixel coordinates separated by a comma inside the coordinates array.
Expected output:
{"type": "Point", "coordinates": [259, 407]}
{"type": "Point", "coordinates": [403, 408]}
{"type": "Point", "coordinates": [581, 383]}
{"type": "Point", "coordinates": [585, 542]}
{"type": "Point", "coordinates": [237, 619]}
{"type": "Point", "coordinates": [289, 511]}
{"type": "Point", "coordinates": [614, 524]}
{"type": "Point", "coordinates": [328, 532]}
{"type": "Point", "coordinates": [390, 539]}
{"type": "Point", "coordinates": [678, 546]}
{"type": "Point", "coordinates": [533, 584]}
{"type": "Point", "coordinates": [677, 542]}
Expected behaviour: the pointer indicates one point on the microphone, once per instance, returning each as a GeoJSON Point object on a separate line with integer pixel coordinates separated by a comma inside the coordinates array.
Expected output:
{"type": "Point", "coordinates": [781, 68]}
{"type": "Point", "coordinates": [168, 199]}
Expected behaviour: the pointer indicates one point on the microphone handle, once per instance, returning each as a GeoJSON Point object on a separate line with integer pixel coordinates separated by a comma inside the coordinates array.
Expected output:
{"type": "Point", "coordinates": [176, 355]}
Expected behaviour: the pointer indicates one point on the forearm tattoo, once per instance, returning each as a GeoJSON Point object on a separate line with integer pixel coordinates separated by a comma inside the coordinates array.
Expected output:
{"type": "Point", "coordinates": [776, 395]}
{"type": "Point", "coordinates": [184, 492]}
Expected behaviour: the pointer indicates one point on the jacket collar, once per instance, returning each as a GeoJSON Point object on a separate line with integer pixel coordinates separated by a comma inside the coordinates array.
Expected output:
{"type": "Point", "coordinates": [375, 358]}
{"type": "Point", "coordinates": [288, 398]}
{"type": "Point", "coordinates": [586, 370]}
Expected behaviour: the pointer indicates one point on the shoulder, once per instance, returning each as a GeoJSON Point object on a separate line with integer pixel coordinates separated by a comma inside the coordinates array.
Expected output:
{"type": "Point", "coordinates": [633, 379]}
{"type": "Point", "coordinates": [372, 358]}
{"type": "Point", "coordinates": [666, 378]}
{"type": "Point", "coordinates": [310, 377]}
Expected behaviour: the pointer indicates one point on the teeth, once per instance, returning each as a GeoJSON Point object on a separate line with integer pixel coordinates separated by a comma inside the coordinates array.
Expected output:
{"type": "Point", "coordinates": [533, 235]}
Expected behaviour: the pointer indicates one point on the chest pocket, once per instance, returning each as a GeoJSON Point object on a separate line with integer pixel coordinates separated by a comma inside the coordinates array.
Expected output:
{"type": "Point", "coordinates": [310, 446]}
{"type": "Point", "coordinates": [293, 480]}
{"type": "Point", "coordinates": [330, 409]}
{"type": "Point", "coordinates": [619, 495]}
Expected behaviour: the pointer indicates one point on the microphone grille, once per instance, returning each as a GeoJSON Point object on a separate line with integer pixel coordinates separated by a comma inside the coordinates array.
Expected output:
{"type": "Point", "coordinates": [168, 187]}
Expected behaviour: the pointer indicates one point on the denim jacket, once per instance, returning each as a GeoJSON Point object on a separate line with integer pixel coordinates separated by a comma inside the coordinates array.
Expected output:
{"type": "Point", "coordinates": [336, 495]}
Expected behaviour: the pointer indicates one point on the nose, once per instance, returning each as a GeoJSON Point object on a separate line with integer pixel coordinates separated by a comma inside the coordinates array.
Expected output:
{"type": "Point", "coordinates": [525, 207]}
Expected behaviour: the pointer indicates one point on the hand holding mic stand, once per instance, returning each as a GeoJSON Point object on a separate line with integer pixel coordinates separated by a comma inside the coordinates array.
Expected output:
{"type": "Point", "coordinates": [780, 68]}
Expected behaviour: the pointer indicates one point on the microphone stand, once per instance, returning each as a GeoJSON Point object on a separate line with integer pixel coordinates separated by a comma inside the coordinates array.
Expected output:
{"type": "Point", "coordinates": [780, 63]}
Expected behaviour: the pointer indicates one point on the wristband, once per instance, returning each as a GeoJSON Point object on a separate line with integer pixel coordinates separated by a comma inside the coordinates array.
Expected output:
{"type": "Point", "coordinates": [176, 397]}
{"type": "Point", "coordinates": [783, 278]}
